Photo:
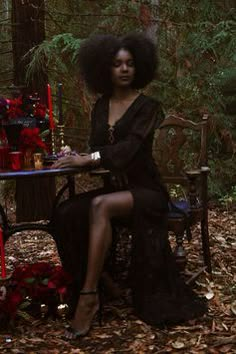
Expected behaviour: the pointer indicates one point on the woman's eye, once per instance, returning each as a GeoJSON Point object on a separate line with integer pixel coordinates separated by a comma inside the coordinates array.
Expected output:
{"type": "Point", "coordinates": [116, 64]}
{"type": "Point", "coordinates": [130, 63]}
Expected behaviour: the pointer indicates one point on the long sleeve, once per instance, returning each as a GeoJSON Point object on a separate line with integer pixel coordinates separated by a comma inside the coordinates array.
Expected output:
{"type": "Point", "coordinates": [118, 156]}
{"type": "Point", "coordinates": [92, 136]}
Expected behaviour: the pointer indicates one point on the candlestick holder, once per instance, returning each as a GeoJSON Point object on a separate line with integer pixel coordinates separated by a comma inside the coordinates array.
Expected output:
{"type": "Point", "coordinates": [53, 142]}
{"type": "Point", "coordinates": [61, 135]}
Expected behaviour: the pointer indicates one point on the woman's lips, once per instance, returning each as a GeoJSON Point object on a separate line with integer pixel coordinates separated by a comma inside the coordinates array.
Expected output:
{"type": "Point", "coordinates": [125, 78]}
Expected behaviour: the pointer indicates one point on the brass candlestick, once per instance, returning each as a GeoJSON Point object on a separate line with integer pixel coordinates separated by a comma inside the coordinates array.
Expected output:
{"type": "Point", "coordinates": [53, 142]}
{"type": "Point", "coordinates": [61, 135]}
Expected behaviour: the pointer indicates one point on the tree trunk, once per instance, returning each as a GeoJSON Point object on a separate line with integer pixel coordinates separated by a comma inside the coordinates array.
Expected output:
{"type": "Point", "coordinates": [149, 16]}
{"type": "Point", "coordinates": [34, 198]}
{"type": "Point", "coordinates": [28, 30]}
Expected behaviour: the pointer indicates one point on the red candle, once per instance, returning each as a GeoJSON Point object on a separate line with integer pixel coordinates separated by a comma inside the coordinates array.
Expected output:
{"type": "Point", "coordinates": [3, 264]}
{"type": "Point", "coordinates": [51, 121]}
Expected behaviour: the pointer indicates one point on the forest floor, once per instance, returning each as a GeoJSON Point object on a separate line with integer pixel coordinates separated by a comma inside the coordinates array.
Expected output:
{"type": "Point", "coordinates": [121, 331]}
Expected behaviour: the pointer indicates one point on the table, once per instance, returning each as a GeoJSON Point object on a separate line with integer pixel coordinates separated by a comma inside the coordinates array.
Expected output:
{"type": "Point", "coordinates": [69, 172]}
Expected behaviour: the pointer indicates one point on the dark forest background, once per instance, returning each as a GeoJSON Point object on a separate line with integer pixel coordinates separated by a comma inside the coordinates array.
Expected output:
{"type": "Point", "coordinates": [196, 41]}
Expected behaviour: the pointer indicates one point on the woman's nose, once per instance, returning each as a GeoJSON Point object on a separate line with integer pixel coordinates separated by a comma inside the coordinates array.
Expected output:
{"type": "Point", "coordinates": [124, 67]}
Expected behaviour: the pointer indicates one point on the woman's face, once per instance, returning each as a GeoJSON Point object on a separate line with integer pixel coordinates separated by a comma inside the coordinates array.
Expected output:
{"type": "Point", "coordinates": [123, 69]}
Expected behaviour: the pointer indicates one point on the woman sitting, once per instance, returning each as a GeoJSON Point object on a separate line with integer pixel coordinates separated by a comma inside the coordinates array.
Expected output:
{"type": "Point", "coordinates": [123, 122]}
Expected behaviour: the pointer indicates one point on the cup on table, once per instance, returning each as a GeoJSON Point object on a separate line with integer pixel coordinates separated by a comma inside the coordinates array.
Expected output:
{"type": "Point", "coordinates": [38, 161]}
{"type": "Point", "coordinates": [15, 160]}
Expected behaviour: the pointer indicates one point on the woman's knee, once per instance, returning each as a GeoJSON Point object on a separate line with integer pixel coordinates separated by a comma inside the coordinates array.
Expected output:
{"type": "Point", "coordinates": [100, 205]}
{"type": "Point", "coordinates": [111, 205]}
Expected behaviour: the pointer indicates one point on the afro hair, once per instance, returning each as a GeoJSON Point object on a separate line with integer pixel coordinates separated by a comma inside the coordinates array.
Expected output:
{"type": "Point", "coordinates": [97, 53]}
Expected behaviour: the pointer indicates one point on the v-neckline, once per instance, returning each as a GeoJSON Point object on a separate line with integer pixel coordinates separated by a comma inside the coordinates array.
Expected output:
{"type": "Point", "coordinates": [124, 114]}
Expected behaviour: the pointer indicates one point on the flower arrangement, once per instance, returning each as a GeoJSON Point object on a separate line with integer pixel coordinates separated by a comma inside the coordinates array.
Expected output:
{"type": "Point", "coordinates": [25, 121]}
{"type": "Point", "coordinates": [23, 106]}
{"type": "Point", "coordinates": [30, 140]}
{"type": "Point", "coordinates": [32, 284]}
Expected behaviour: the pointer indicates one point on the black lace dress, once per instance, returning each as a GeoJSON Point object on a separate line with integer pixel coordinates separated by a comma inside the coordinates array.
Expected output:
{"type": "Point", "coordinates": [159, 294]}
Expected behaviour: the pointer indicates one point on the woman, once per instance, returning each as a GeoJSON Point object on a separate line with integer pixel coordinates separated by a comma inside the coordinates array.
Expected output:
{"type": "Point", "coordinates": [123, 122]}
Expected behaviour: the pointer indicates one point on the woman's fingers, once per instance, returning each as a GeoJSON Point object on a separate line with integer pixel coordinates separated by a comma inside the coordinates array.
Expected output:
{"type": "Point", "coordinates": [63, 162]}
{"type": "Point", "coordinates": [70, 161]}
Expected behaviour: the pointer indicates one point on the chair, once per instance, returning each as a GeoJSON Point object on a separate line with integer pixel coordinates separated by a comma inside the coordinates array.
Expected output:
{"type": "Point", "coordinates": [180, 150]}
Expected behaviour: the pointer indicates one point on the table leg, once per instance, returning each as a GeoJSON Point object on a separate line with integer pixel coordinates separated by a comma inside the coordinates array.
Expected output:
{"type": "Point", "coordinates": [71, 185]}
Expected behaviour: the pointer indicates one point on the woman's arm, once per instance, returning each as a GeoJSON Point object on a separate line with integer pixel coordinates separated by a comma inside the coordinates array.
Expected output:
{"type": "Point", "coordinates": [118, 156]}
{"type": "Point", "coordinates": [92, 159]}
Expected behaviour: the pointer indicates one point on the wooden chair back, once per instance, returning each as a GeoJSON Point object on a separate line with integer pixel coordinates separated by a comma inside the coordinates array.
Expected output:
{"type": "Point", "coordinates": [180, 151]}
{"type": "Point", "coordinates": [180, 145]}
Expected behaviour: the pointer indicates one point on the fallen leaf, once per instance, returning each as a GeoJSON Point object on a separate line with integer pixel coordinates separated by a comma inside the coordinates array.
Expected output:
{"type": "Point", "coordinates": [209, 295]}
{"type": "Point", "coordinates": [233, 307]}
{"type": "Point", "coordinates": [178, 345]}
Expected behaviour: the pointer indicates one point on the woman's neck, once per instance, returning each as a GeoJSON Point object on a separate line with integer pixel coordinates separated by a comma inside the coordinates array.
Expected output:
{"type": "Point", "coordinates": [123, 94]}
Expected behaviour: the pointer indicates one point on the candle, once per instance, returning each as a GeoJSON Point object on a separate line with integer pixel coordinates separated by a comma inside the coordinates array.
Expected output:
{"type": "Point", "coordinates": [15, 160]}
{"type": "Point", "coordinates": [38, 161]}
{"type": "Point", "coordinates": [3, 264]}
{"type": "Point", "coordinates": [59, 98]}
{"type": "Point", "coordinates": [51, 121]}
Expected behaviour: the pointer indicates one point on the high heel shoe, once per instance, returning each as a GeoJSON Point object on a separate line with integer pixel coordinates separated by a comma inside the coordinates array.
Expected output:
{"type": "Point", "coordinates": [73, 334]}
{"type": "Point", "coordinates": [100, 308]}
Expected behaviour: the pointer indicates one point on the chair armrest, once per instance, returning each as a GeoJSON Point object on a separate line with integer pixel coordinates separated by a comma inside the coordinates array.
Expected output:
{"type": "Point", "coordinates": [205, 169]}
{"type": "Point", "coordinates": [193, 174]}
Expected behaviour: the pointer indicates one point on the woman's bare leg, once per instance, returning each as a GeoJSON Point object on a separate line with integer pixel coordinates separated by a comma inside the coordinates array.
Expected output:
{"type": "Point", "coordinates": [103, 208]}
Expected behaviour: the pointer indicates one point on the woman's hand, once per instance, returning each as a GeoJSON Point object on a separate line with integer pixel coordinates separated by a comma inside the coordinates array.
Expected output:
{"type": "Point", "coordinates": [72, 161]}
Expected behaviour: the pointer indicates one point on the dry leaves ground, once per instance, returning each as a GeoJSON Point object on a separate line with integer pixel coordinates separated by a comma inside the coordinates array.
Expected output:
{"type": "Point", "coordinates": [122, 332]}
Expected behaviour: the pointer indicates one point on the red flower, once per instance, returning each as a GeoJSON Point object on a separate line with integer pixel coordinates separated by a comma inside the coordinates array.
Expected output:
{"type": "Point", "coordinates": [15, 108]}
{"type": "Point", "coordinates": [29, 274]}
{"type": "Point", "coordinates": [12, 301]}
{"type": "Point", "coordinates": [39, 282]}
{"type": "Point", "coordinates": [59, 280]}
{"type": "Point", "coordinates": [41, 269]}
{"type": "Point", "coordinates": [40, 110]}
{"type": "Point", "coordinates": [30, 139]}
{"type": "Point", "coordinates": [21, 272]}
{"type": "Point", "coordinates": [23, 106]}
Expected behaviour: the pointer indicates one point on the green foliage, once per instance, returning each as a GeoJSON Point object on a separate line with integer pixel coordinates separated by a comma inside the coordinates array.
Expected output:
{"type": "Point", "coordinates": [59, 53]}
{"type": "Point", "coordinates": [120, 17]}
{"type": "Point", "coordinates": [6, 47]}
{"type": "Point", "coordinates": [193, 54]}
{"type": "Point", "coordinates": [229, 199]}
{"type": "Point", "coordinates": [198, 74]}
{"type": "Point", "coordinates": [222, 176]}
